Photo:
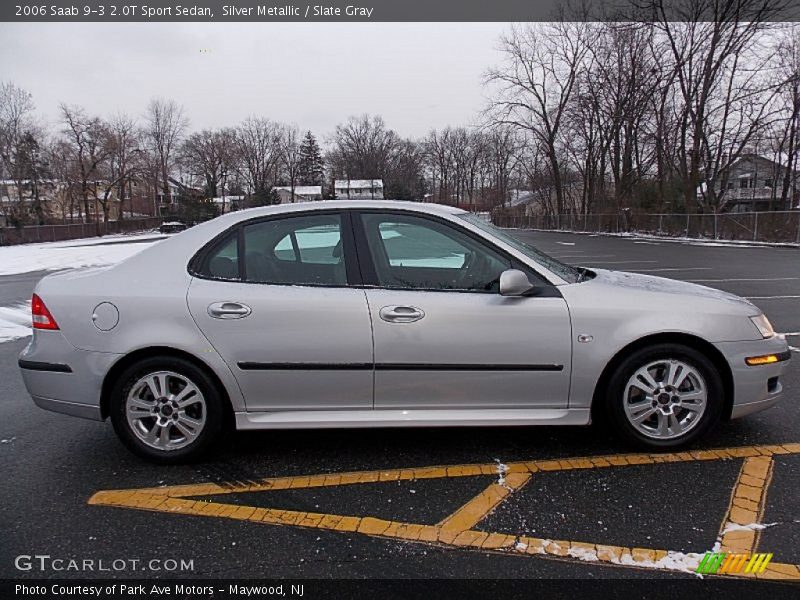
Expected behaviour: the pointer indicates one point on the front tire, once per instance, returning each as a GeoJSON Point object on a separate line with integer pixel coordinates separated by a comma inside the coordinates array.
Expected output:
{"type": "Point", "coordinates": [167, 410]}
{"type": "Point", "coordinates": [664, 396]}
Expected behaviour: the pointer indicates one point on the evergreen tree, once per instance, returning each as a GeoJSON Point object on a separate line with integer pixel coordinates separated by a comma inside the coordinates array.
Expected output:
{"type": "Point", "coordinates": [310, 169]}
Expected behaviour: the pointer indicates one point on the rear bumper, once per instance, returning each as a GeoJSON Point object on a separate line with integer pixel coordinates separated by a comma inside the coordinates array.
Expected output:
{"type": "Point", "coordinates": [63, 379]}
{"type": "Point", "coordinates": [756, 388]}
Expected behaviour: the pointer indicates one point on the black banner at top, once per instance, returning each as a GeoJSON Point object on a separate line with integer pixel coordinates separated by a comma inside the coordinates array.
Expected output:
{"type": "Point", "coordinates": [398, 10]}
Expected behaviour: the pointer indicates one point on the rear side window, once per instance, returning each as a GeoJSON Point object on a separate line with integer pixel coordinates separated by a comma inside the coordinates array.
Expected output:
{"type": "Point", "coordinates": [303, 250]}
{"type": "Point", "coordinates": [222, 260]}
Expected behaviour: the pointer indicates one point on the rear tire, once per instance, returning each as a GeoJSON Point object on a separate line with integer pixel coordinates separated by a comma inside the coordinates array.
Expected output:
{"type": "Point", "coordinates": [167, 410]}
{"type": "Point", "coordinates": [664, 396]}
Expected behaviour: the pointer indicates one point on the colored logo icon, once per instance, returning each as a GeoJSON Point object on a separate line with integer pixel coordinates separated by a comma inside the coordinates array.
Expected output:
{"type": "Point", "coordinates": [728, 562]}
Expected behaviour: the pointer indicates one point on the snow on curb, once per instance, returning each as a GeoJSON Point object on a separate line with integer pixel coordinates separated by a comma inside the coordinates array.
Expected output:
{"type": "Point", "coordinates": [15, 322]}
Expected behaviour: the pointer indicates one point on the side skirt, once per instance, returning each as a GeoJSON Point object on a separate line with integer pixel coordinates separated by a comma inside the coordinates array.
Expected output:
{"type": "Point", "coordinates": [331, 419]}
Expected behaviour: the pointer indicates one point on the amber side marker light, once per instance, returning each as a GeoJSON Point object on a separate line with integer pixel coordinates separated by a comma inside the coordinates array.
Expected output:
{"type": "Point", "coordinates": [767, 359]}
{"type": "Point", "coordinates": [41, 317]}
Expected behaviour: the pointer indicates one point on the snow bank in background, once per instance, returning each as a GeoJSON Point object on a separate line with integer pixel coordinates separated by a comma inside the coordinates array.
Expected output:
{"type": "Point", "coordinates": [15, 322]}
{"type": "Point", "coordinates": [691, 241]}
{"type": "Point", "coordinates": [72, 254]}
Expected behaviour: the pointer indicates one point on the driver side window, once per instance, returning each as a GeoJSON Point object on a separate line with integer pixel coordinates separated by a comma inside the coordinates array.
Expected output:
{"type": "Point", "coordinates": [417, 253]}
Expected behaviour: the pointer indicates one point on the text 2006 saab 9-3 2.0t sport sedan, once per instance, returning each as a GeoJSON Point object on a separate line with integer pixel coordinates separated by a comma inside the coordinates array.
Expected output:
{"type": "Point", "coordinates": [373, 314]}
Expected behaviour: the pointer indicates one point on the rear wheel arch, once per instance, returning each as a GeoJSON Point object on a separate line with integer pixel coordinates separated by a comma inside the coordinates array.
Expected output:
{"type": "Point", "coordinates": [685, 339]}
{"type": "Point", "coordinates": [136, 356]}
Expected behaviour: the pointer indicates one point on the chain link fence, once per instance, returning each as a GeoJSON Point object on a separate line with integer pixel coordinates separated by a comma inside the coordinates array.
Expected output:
{"type": "Point", "coordinates": [776, 226]}
{"type": "Point", "coordinates": [58, 233]}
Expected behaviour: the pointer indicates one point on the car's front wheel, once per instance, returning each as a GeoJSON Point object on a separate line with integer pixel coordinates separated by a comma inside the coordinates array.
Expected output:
{"type": "Point", "coordinates": [166, 409]}
{"type": "Point", "coordinates": [664, 396]}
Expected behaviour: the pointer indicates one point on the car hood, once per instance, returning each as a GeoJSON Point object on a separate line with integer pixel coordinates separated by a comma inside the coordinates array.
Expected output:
{"type": "Point", "coordinates": [662, 285]}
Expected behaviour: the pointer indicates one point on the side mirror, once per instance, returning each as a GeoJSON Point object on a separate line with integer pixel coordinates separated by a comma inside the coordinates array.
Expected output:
{"type": "Point", "coordinates": [514, 283]}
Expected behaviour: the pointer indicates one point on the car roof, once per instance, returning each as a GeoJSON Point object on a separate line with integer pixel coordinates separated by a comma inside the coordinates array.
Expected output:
{"type": "Point", "coordinates": [277, 209]}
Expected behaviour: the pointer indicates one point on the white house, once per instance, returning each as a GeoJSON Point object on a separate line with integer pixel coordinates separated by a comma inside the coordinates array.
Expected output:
{"type": "Point", "coordinates": [359, 189]}
{"type": "Point", "coordinates": [229, 203]}
{"type": "Point", "coordinates": [302, 193]}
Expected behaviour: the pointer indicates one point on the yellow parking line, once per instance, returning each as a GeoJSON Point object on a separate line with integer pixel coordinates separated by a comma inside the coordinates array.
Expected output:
{"type": "Point", "coordinates": [475, 510]}
{"type": "Point", "coordinates": [739, 533]}
{"type": "Point", "coordinates": [456, 530]}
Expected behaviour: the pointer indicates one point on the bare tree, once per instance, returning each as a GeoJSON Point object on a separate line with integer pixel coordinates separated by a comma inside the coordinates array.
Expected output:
{"type": "Point", "coordinates": [125, 163]}
{"type": "Point", "coordinates": [64, 197]}
{"type": "Point", "coordinates": [788, 130]}
{"type": "Point", "coordinates": [291, 157]}
{"type": "Point", "coordinates": [209, 156]}
{"type": "Point", "coordinates": [616, 92]}
{"type": "Point", "coordinates": [17, 139]}
{"type": "Point", "coordinates": [89, 147]}
{"type": "Point", "coordinates": [363, 148]}
{"type": "Point", "coordinates": [165, 125]}
{"type": "Point", "coordinates": [438, 151]}
{"type": "Point", "coordinates": [716, 97]}
{"type": "Point", "coordinates": [258, 148]}
{"type": "Point", "coordinates": [533, 89]}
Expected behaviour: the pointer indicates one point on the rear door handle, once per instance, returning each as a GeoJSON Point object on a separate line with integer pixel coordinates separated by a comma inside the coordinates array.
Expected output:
{"type": "Point", "coordinates": [401, 314]}
{"type": "Point", "coordinates": [228, 310]}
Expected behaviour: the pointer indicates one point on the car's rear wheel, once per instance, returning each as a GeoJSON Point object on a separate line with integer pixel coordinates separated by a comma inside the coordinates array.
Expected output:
{"type": "Point", "coordinates": [664, 396]}
{"type": "Point", "coordinates": [166, 409]}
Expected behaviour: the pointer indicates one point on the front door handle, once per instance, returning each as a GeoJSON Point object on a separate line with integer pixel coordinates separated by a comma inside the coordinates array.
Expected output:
{"type": "Point", "coordinates": [401, 314]}
{"type": "Point", "coordinates": [228, 310]}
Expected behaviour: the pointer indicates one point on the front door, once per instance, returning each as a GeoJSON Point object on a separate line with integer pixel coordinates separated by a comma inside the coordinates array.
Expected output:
{"type": "Point", "coordinates": [273, 299]}
{"type": "Point", "coordinates": [444, 337]}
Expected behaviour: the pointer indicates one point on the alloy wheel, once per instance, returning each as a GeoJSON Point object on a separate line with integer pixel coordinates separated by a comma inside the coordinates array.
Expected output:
{"type": "Point", "coordinates": [665, 399]}
{"type": "Point", "coordinates": [165, 410]}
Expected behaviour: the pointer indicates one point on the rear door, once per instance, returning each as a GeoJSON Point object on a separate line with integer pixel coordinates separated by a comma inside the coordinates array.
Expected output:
{"type": "Point", "coordinates": [274, 298]}
{"type": "Point", "coordinates": [444, 336]}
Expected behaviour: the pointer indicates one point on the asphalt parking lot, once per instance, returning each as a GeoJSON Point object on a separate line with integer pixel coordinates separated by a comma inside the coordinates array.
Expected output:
{"type": "Point", "coordinates": [452, 503]}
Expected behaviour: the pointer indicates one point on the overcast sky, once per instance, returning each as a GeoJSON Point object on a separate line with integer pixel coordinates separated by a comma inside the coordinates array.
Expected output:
{"type": "Point", "coordinates": [417, 75]}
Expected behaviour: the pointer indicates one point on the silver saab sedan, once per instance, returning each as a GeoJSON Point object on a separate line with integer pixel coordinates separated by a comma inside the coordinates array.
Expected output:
{"type": "Point", "coordinates": [386, 314]}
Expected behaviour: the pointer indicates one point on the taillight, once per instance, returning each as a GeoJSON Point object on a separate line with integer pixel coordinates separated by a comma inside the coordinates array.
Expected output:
{"type": "Point", "coordinates": [42, 319]}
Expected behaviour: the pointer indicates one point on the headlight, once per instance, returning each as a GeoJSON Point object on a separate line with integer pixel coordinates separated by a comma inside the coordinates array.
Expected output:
{"type": "Point", "coordinates": [763, 325]}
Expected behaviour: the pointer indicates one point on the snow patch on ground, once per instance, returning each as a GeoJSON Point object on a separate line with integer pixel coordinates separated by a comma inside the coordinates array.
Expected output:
{"type": "Point", "coordinates": [664, 238]}
{"type": "Point", "coordinates": [15, 322]}
{"type": "Point", "coordinates": [73, 254]}
{"type": "Point", "coordinates": [751, 527]}
{"type": "Point", "coordinates": [502, 469]}
{"type": "Point", "coordinates": [584, 554]}
{"type": "Point", "coordinates": [673, 561]}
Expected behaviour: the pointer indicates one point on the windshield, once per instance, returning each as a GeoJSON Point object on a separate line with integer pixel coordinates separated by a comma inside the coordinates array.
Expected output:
{"type": "Point", "coordinates": [566, 272]}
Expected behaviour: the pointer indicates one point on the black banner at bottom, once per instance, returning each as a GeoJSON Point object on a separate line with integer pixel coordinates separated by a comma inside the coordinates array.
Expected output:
{"type": "Point", "coordinates": [312, 589]}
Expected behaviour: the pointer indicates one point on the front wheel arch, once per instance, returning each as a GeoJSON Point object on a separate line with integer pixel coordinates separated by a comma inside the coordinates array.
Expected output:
{"type": "Point", "coordinates": [143, 353]}
{"type": "Point", "coordinates": [685, 339]}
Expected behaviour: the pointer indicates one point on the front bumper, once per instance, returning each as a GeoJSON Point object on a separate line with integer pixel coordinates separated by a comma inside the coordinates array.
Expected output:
{"type": "Point", "coordinates": [759, 387]}
{"type": "Point", "coordinates": [63, 379]}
